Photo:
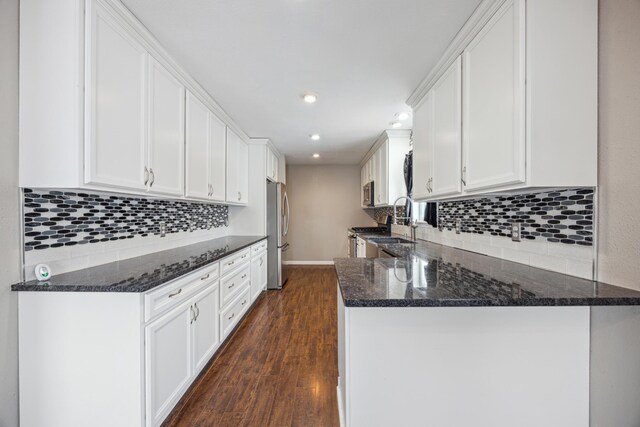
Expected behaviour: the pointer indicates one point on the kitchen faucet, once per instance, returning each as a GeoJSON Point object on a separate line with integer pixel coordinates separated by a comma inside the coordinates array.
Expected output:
{"type": "Point", "coordinates": [413, 222]}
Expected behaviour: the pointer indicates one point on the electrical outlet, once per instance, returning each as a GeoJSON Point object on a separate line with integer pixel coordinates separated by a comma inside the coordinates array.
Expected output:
{"type": "Point", "coordinates": [458, 226]}
{"type": "Point", "coordinates": [163, 229]}
{"type": "Point", "coordinates": [516, 231]}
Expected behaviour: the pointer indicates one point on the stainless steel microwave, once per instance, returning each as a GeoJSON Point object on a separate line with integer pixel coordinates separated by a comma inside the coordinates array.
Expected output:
{"type": "Point", "coordinates": [367, 194]}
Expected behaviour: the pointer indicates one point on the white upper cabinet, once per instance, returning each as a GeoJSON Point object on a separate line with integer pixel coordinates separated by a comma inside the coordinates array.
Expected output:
{"type": "Point", "coordinates": [528, 103]}
{"type": "Point", "coordinates": [272, 165]}
{"type": "Point", "coordinates": [115, 139]}
{"type": "Point", "coordinates": [166, 131]}
{"type": "Point", "coordinates": [206, 153]}
{"type": "Point", "coordinates": [385, 167]}
{"type": "Point", "coordinates": [381, 185]}
{"type": "Point", "coordinates": [446, 133]}
{"type": "Point", "coordinates": [197, 149]}
{"type": "Point", "coordinates": [423, 148]}
{"type": "Point", "coordinates": [493, 122]}
{"type": "Point", "coordinates": [117, 115]}
{"type": "Point", "coordinates": [237, 169]}
{"type": "Point", "coordinates": [217, 158]}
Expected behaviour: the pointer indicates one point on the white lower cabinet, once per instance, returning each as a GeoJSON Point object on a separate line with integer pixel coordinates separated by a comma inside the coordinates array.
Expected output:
{"type": "Point", "coordinates": [206, 327]}
{"type": "Point", "coordinates": [177, 346]}
{"type": "Point", "coordinates": [169, 365]}
{"type": "Point", "coordinates": [232, 313]}
{"type": "Point", "coordinates": [147, 355]}
{"type": "Point", "coordinates": [258, 274]}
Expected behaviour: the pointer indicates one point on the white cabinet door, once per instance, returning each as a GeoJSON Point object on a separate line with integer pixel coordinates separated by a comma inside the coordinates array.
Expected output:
{"type": "Point", "coordinates": [447, 132]}
{"type": "Point", "coordinates": [206, 326]}
{"type": "Point", "coordinates": [237, 169]}
{"type": "Point", "coordinates": [422, 149]}
{"type": "Point", "coordinates": [168, 361]}
{"type": "Point", "coordinates": [166, 131]}
{"type": "Point", "coordinates": [272, 165]}
{"type": "Point", "coordinates": [217, 158]}
{"type": "Point", "coordinates": [382, 179]}
{"type": "Point", "coordinates": [493, 102]}
{"type": "Point", "coordinates": [197, 149]}
{"type": "Point", "coordinates": [258, 275]}
{"type": "Point", "coordinates": [116, 101]}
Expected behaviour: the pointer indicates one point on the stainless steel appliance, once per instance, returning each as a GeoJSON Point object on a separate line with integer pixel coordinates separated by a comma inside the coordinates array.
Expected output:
{"type": "Point", "coordinates": [367, 194]}
{"type": "Point", "coordinates": [352, 236]}
{"type": "Point", "coordinates": [278, 218]}
{"type": "Point", "coordinates": [353, 244]}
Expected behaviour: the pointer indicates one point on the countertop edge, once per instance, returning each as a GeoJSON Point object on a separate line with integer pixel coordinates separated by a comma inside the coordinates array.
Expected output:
{"type": "Point", "coordinates": [35, 286]}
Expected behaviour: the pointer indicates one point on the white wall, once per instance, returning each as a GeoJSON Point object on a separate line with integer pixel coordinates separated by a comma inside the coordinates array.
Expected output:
{"type": "Point", "coordinates": [9, 212]}
{"type": "Point", "coordinates": [325, 201]}
{"type": "Point", "coordinates": [619, 143]}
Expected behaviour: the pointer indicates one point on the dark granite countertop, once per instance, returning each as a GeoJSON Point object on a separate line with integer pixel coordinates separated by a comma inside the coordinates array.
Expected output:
{"type": "Point", "coordinates": [142, 273]}
{"type": "Point", "coordinates": [426, 274]}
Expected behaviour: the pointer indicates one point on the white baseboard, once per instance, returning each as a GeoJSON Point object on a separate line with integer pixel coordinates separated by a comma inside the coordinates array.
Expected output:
{"type": "Point", "coordinates": [340, 408]}
{"type": "Point", "coordinates": [308, 262]}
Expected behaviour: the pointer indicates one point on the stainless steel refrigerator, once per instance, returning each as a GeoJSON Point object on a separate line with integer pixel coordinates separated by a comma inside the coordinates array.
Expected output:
{"type": "Point", "coordinates": [277, 229]}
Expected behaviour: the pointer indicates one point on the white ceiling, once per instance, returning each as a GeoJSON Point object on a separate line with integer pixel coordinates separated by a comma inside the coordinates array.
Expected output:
{"type": "Point", "coordinates": [257, 57]}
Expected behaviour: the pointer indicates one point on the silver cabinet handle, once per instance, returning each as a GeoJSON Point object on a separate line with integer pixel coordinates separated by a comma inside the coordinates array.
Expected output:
{"type": "Point", "coordinates": [205, 277]}
{"type": "Point", "coordinates": [244, 302]}
{"type": "Point", "coordinates": [231, 286]}
{"type": "Point", "coordinates": [195, 305]}
{"type": "Point", "coordinates": [176, 293]}
{"type": "Point", "coordinates": [231, 263]}
{"type": "Point", "coordinates": [153, 177]}
{"type": "Point", "coordinates": [261, 261]}
{"type": "Point", "coordinates": [239, 196]}
{"type": "Point", "coordinates": [146, 176]}
{"type": "Point", "coordinates": [231, 317]}
{"type": "Point", "coordinates": [193, 314]}
{"type": "Point", "coordinates": [464, 176]}
{"type": "Point", "coordinates": [243, 276]}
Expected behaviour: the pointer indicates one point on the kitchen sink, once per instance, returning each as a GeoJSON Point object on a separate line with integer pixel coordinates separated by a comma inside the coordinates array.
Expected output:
{"type": "Point", "coordinates": [389, 240]}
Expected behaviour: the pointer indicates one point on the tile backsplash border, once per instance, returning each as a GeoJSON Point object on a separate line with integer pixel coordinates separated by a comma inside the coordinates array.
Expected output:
{"type": "Point", "coordinates": [123, 226]}
{"type": "Point", "coordinates": [545, 226]}
{"type": "Point", "coordinates": [63, 218]}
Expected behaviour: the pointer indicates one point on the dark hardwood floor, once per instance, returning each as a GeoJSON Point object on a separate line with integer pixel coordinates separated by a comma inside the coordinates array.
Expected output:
{"type": "Point", "coordinates": [280, 367]}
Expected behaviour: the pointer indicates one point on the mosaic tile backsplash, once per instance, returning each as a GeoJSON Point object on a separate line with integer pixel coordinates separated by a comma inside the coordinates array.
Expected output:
{"type": "Point", "coordinates": [55, 219]}
{"type": "Point", "coordinates": [563, 216]}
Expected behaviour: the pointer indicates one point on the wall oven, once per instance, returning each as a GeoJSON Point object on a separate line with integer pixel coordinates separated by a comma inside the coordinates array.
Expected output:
{"type": "Point", "coordinates": [367, 194]}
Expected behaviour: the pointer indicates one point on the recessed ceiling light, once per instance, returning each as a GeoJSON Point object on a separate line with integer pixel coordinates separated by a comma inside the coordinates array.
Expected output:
{"type": "Point", "coordinates": [315, 137]}
{"type": "Point", "coordinates": [316, 155]}
{"type": "Point", "coordinates": [402, 116]}
{"type": "Point", "coordinates": [396, 124]}
{"type": "Point", "coordinates": [310, 98]}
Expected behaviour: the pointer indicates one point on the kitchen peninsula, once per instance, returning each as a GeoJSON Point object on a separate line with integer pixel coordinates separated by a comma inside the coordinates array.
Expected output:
{"type": "Point", "coordinates": [442, 336]}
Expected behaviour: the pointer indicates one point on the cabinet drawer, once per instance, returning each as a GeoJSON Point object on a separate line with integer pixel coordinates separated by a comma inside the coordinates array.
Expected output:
{"type": "Point", "coordinates": [236, 282]}
{"type": "Point", "coordinates": [233, 261]}
{"type": "Point", "coordinates": [259, 247]}
{"type": "Point", "coordinates": [230, 316]}
{"type": "Point", "coordinates": [169, 295]}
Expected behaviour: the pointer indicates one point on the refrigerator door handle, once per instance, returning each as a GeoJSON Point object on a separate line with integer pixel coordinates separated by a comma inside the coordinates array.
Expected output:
{"type": "Point", "coordinates": [286, 201]}
{"type": "Point", "coordinates": [285, 247]}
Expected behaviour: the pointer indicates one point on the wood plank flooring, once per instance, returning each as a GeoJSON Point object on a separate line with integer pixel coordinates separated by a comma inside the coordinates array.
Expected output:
{"type": "Point", "coordinates": [280, 367]}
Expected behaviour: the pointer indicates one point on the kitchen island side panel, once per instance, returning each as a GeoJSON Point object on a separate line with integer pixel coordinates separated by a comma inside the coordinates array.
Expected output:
{"type": "Point", "coordinates": [81, 359]}
{"type": "Point", "coordinates": [481, 366]}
